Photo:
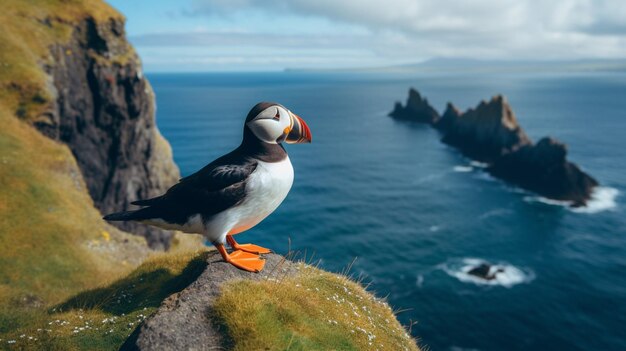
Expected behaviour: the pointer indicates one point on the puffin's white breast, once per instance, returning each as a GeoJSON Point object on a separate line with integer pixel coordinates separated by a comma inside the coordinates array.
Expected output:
{"type": "Point", "coordinates": [266, 188]}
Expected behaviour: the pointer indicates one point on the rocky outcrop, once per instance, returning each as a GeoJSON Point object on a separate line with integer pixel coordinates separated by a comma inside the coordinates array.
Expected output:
{"type": "Point", "coordinates": [484, 133]}
{"type": "Point", "coordinates": [485, 271]}
{"type": "Point", "coordinates": [184, 320]}
{"type": "Point", "coordinates": [544, 169]}
{"type": "Point", "coordinates": [104, 110]}
{"type": "Point", "coordinates": [491, 134]}
{"type": "Point", "coordinates": [417, 109]}
{"type": "Point", "coordinates": [449, 118]}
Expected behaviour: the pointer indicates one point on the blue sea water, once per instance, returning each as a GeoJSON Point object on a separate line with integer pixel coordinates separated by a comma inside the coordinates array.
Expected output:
{"type": "Point", "coordinates": [417, 214]}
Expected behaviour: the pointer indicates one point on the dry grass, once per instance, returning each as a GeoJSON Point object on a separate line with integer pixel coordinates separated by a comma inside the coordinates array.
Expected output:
{"type": "Point", "coordinates": [315, 310]}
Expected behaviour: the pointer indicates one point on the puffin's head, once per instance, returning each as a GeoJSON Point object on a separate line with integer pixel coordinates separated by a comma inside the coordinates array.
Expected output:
{"type": "Point", "coordinates": [273, 123]}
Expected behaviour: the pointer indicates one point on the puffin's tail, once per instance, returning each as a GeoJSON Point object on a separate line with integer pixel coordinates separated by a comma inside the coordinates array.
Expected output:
{"type": "Point", "coordinates": [137, 215]}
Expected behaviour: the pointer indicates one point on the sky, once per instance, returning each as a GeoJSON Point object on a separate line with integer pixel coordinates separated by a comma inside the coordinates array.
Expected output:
{"type": "Point", "coordinates": [255, 35]}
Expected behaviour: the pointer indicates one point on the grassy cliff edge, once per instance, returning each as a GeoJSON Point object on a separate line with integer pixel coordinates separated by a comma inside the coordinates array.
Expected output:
{"type": "Point", "coordinates": [70, 281]}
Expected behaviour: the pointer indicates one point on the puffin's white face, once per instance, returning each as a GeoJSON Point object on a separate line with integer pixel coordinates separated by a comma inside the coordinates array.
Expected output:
{"type": "Point", "coordinates": [272, 125]}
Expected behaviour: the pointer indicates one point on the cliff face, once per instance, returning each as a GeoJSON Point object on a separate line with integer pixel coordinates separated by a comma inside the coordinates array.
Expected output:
{"type": "Point", "coordinates": [103, 109]}
{"type": "Point", "coordinates": [484, 133]}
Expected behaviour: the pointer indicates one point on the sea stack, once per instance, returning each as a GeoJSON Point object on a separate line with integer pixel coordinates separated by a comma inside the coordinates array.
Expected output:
{"type": "Point", "coordinates": [544, 169]}
{"type": "Point", "coordinates": [484, 133]}
{"type": "Point", "coordinates": [491, 134]}
{"type": "Point", "coordinates": [417, 109]}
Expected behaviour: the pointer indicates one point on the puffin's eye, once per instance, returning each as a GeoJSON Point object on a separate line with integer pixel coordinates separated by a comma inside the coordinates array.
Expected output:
{"type": "Point", "coordinates": [277, 116]}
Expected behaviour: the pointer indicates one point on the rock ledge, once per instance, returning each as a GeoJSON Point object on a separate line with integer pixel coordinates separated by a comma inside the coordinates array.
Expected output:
{"type": "Point", "coordinates": [184, 322]}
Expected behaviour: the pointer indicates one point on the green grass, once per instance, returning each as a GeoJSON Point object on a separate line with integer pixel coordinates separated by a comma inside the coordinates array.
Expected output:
{"type": "Point", "coordinates": [57, 253]}
{"type": "Point", "coordinates": [104, 317]}
{"type": "Point", "coordinates": [315, 310]}
{"type": "Point", "coordinates": [53, 242]}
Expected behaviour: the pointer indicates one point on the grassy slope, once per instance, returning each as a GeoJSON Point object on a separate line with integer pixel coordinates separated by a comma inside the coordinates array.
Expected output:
{"type": "Point", "coordinates": [102, 318]}
{"type": "Point", "coordinates": [54, 247]}
{"type": "Point", "coordinates": [315, 310]}
{"type": "Point", "coordinates": [56, 254]}
{"type": "Point", "coordinates": [52, 240]}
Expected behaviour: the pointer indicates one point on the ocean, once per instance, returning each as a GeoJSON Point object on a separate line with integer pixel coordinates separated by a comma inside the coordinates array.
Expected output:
{"type": "Point", "coordinates": [416, 215]}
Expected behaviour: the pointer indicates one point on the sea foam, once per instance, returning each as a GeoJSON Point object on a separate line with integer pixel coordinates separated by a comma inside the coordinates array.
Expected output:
{"type": "Point", "coordinates": [462, 169]}
{"type": "Point", "coordinates": [602, 199]}
{"type": "Point", "coordinates": [478, 164]}
{"type": "Point", "coordinates": [508, 277]}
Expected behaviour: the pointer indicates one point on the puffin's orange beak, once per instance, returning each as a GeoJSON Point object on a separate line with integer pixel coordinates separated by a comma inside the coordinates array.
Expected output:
{"type": "Point", "coordinates": [298, 132]}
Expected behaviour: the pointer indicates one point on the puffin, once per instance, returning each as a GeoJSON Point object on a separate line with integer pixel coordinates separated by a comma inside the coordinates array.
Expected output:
{"type": "Point", "coordinates": [236, 191]}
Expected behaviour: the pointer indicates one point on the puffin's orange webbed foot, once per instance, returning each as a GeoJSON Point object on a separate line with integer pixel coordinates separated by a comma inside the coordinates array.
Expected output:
{"type": "Point", "coordinates": [242, 260]}
{"type": "Point", "coordinates": [255, 249]}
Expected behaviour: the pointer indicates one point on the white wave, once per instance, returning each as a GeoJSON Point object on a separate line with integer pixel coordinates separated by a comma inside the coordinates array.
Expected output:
{"type": "Point", "coordinates": [506, 275]}
{"type": "Point", "coordinates": [419, 281]}
{"type": "Point", "coordinates": [485, 176]}
{"type": "Point", "coordinates": [602, 199]}
{"type": "Point", "coordinates": [498, 212]}
{"type": "Point", "coordinates": [428, 178]}
{"type": "Point", "coordinates": [478, 164]}
{"type": "Point", "coordinates": [545, 200]}
{"type": "Point", "coordinates": [462, 169]}
{"type": "Point", "coordinates": [434, 228]}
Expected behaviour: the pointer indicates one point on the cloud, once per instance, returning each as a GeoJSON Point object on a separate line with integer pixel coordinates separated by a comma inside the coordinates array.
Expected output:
{"type": "Point", "coordinates": [206, 50]}
{"type": "Point", "coordinates": [495, 28]}
{"type": "Point", "coordinates": [256, 34]}
{"type": "Point", "coordinates": [419, 16]}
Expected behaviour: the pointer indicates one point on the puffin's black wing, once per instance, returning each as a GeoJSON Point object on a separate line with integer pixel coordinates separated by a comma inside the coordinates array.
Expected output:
{"type": "Point", "coordinates": [213, 189]}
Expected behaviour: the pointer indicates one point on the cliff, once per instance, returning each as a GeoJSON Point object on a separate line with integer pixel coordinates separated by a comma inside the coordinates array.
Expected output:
{"type": "Point", "coordinates": [105, 112]}
{"type": "Point", "coordinates": [91, 95]}
{"type": "Point", "coordinates": [491, 134]}
{"type": "Point", "coordinates": [78, 132]}
{"type": "Point", "coordinates": [53, 242]}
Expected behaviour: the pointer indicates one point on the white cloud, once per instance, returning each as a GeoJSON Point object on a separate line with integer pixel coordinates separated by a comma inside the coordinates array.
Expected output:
{"type": "Point", "coordinates": [478, 28]}
{"type": "Point", "coordinates": [353, 33]}
{"type": "Point", "coordinates": [417, 16]}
